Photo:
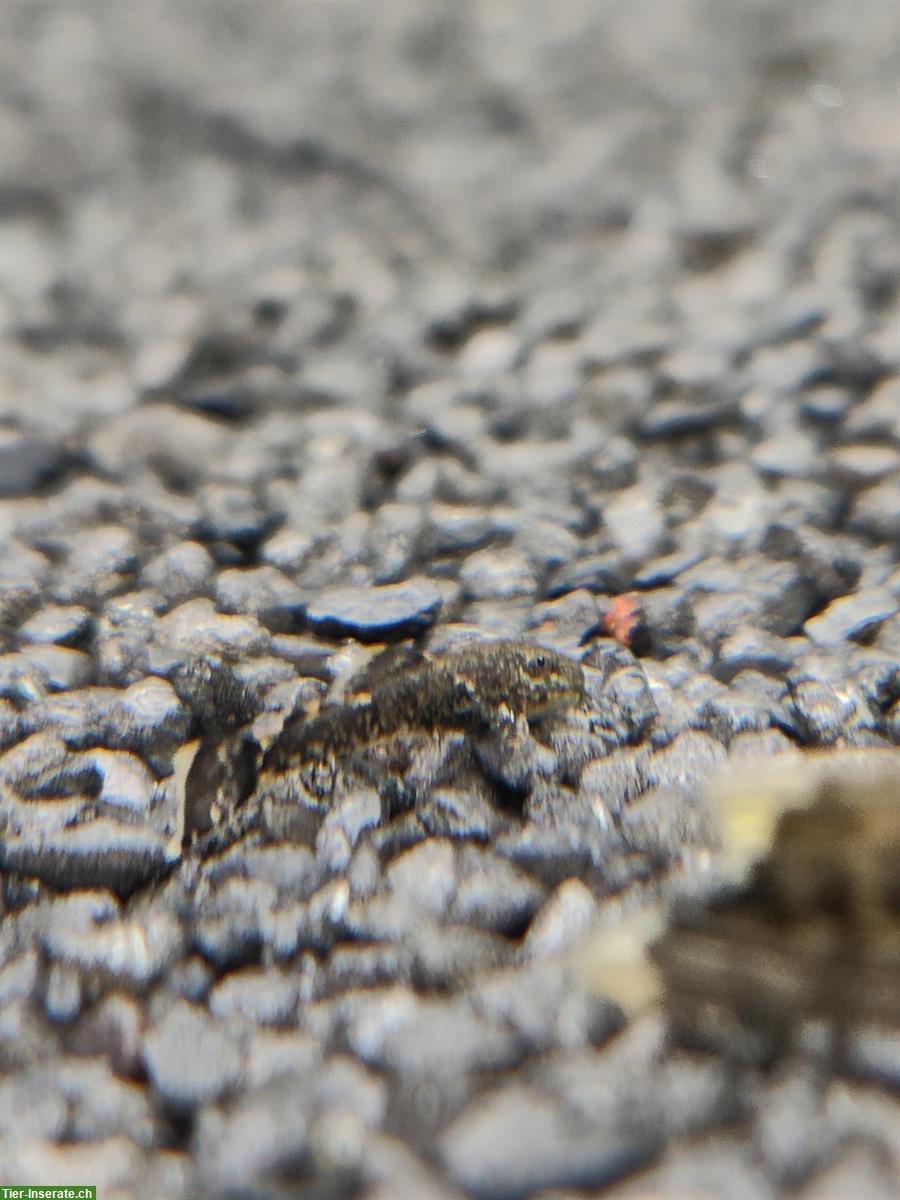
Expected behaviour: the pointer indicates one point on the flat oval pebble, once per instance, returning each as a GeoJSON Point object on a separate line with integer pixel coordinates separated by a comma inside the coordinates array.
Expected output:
{"type": "Point", "coordinates": [387, 613]}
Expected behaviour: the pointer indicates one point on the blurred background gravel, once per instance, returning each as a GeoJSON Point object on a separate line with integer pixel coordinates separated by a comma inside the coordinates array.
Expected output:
{"type": "Point", "coordinates": [330, 320]}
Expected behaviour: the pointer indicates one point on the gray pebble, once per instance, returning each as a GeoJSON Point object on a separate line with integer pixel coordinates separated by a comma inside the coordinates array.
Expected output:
{"type": "Point", "coordinates": [180, 572]}
{"type": "Point", "coordinates": [64, 625]}
{"type": "Point", "coordinates": [792, 454]}
{"type": "Point", "coordinates": [112, 1029]}
{"type": "Point", "coordinates": [23, 575]}
{"type": "Point", "coordinates": [130, 950]}
{"type": "Point", "coordinates": [376, 614]}
{"type": "Point", "coordinates": [150, 712]}
{"type": "Point", "coordinates": [497, 575]}
{"type": "Point", "coordinates": [875, 512]}
{"type": "Point", "coordinates": [454, 529]}
{"type": "Point", "coordinates": [863, 465]}
{"type": "Point", "coordinates": [177, 442]}
{"type": "Point", "coordinates": [690, 758]}
{"type": "Point", "coordinates": [750, 649]}
{"type": "Point", "coordinates": [850, 617]}
{"type": "Point", "coordinates": [32, 1108]}
{"type": "Point", "coordinates": [101, 853]}
{"type": "Point", "coordinates": [492, 893]}
{"type": "Point", "coordinates": [262, 1135]}
{"type": "Point", "coordinates": [828, 405]}
{"type": "Point", "coordinates": [260, 996]}
{"type": "Point", "coordinates": [62, 994]}
{"type": "Point", "coordinates": [343, 826]}
{"type": "Point", "coordinates": [196, 629]}
{"type": "Point", "coordinates": [824, 713]}
{"type": "Point", "coordinates": [233, 516]}
{"type": "Point", "coordinates": [460, 813]}
{"type": "Point", "coordinates": [81, 717]}
{"type": "Point", "coordinates": [563, 922]}
{"type": "Point", "coordinates": [263, 591]}
{"type": "Point", "coordinates": [59, 667]}
{"type": "Point", "coordinates": [124, 633]}
{"type": "Point", "coordinates": [683, 418]}
{"type": "Point", "coordinates": [98, 562]}
{"type": "Point", "coordinates": [517, 1140]}
{"type": "Point", "coordinates": [635, 522]}
{"type": "Point", "coordinates": [27, 462]}
{"type": "Point", "coordinates": [33, 759]}
{"type": "Point", "coordinates": [20, 682]}
{"type": "Point", "coordinates": [125, 781]}
{"type": "Point", "coordinates": [191, 1057]}
{"type": "Point", "coordinates": [396, 1030]}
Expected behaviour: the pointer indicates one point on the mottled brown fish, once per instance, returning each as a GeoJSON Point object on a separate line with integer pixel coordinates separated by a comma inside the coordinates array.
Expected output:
{"type": "Point", "coordinates": [476, 690]}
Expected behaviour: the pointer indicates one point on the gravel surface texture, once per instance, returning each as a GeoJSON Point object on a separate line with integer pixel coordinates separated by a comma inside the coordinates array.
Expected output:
{"type": "Point", "coordinates": [326, 328]}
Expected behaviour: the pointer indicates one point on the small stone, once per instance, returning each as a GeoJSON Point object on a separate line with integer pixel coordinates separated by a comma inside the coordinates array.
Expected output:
{"type": "Point", "coordinates": [425, 876]}
{"type": "Point", "coordinates": [614, 466]}
{"type": "Point", "coordinates": [862, 465]}
{"type": "Point", "coordinates": [497, 575]}
{"type": "Point", "coordinates": [89, 934]}
{"type": "Point", "coordinates": [792, 455]}
{"type": "Point", "coordinates": [101, 853]}
{"type": "Point", "coordinates": [31, 1107]}
{"type": "Point", "coordinates": [287, 549]}
{"type": "Point", "coordinates": [455, 529]}
{"type": "Point", "coordinates": [98, 562]}
{"type": "Point", "coordinates": [62, 994]}
{"type": "Point", "coordinates": [563, 922]}
{"type": "Point", "coordinates": [878, 416]}
{"type": "Point", "coordinates": [36, 756]}
{"type": "Point", "coordinates": [828, 405]}
{"type": "Point", "coordinates": [263, 591]}
{"type": "Point", "coordinates": [666, 569]}
{"type": "Point", "coordinates": [177, 442]}
{"type": "Point", "coordinates": [460, 813]}
{"type": "Point", "coordinates": [232, 514]}
{"type": "Point", "coordinates": [59, 667]}
{"type": "Point", "coordinates": [343, 826]}
{"type": "Point", "coordinates": [851, 617]}
{"type": "Point", "coordinates": [720, 614]}
{"type": "Point", "coordinates": [180, 572]}
{"type": "Point", "coordinates": [493, 894]}
{"type": "Point", "coordinates": [258, 995]}
{"type": "Point", "coordinates": [824, 713]}
{"type": "Point", "coordinates": [381, 614]}
{"type": "Point", "coordinates": [688, 760]}
{"type": "Point", "coordinates": [683, 418]}
{"type": "Point", "coordinates": [124, 633]}
{"type": "Point", "coordinates": [63, 625]}
{"type": "Point", "coordinates": [488, 353]}
{"type": "Point", "coordinates": [635, 522]}
{"type": "Point", "coordinates": [150, 708]}
{"type": "Point", "coordinates": [738, 711]}
{"type": "Point", "coordinates": [262, 1134]}
{"type": "Point", "coordinates": [875, 512]}
{"type": "Point", "coordinates": [436, 1039]}
{"type": "Point", "coordinates": [126, 783]}
{"type": "Point", "coordinates": [112, 1029]}
{"type": "Point", "coordinates": [28, 463]}
{"type": "Point", "coordinates": [518, 1141]}
{"type": "Point", "coordinates": [191, 1057]}
{"type": "Point", "coordinates": [23, 575]}
{"type": "Point", "coordinates": [195, 629]}
{"type": "Point", "coordinates": [750, 649]}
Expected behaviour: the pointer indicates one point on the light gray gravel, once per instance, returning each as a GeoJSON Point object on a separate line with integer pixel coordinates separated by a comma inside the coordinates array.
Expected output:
{"type": "Point", "coordinates": [331, 327]}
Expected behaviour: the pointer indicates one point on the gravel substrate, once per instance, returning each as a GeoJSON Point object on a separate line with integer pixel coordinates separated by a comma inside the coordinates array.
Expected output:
{"type": "Point", "coordinates": [333, 327]}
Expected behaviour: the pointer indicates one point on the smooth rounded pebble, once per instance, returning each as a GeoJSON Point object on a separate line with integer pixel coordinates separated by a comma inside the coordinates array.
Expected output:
{"type": "Point", "coordinates": [377, 614]}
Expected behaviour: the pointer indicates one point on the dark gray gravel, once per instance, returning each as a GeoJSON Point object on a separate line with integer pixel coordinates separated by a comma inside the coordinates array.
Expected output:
{"type": "Point", "coordinates": [326, 327]}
